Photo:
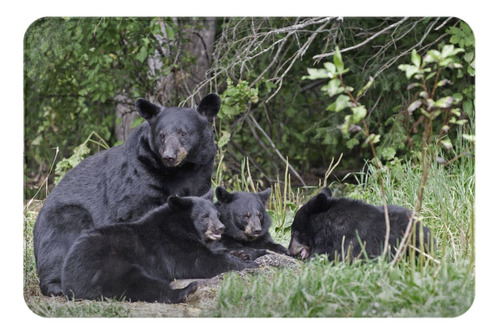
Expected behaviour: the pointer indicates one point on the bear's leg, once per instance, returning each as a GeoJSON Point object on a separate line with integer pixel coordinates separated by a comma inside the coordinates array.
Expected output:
{"type": "Point", "coordinates": [140, 286]}
{"type": "Point", "coordinates": [57, 231]}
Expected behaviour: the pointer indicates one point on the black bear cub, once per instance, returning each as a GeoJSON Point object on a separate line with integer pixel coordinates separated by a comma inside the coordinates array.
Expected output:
{"type": "Point", "coordinates": [172, 153]}
{"type": "Point", "coordinates": [246, 223]}
{"type": "Point", "coordinates": [334, 226]}
{"type": "Point", "coordinates": [137, 261]}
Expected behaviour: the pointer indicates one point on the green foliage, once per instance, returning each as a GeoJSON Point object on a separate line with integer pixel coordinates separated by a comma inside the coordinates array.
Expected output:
{"type": "Point", "coordinates": [74, 69]}
{"type": "Point", "coordinates": [79, 153]}
{"type": "Point", "coordinates": [235, 99]}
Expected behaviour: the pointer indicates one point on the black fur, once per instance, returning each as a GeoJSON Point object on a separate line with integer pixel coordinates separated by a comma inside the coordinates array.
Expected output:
{"type": "Point", "coordinates": [327, 225]}
{"type": "Point", "coordinates": [170, 154]}
{"type": "Point", "coordinates": [137, 261]}
{"type": "Point", "coordinates": [247, 223]}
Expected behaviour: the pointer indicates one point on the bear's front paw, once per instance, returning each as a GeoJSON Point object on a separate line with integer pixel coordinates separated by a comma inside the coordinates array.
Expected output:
{"type": "Point", "coordinates": [240, 254]}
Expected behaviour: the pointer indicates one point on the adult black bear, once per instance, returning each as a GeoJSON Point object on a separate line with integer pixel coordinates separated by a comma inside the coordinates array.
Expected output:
{"type": "Point", "coordinates": [332, 226]}
{"type": "Point", "coordinates": [170, 154]}
{"type": "Point", "coordinates": [139, 260]}
{"type": "Point", "coordinates": [247, 223]}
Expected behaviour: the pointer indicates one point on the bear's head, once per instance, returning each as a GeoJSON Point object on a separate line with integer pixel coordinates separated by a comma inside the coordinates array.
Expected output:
{"type": "Point", "coordinates": [203, 215]}
{"type": "Point", "coordinates": [244, 214]}
{"type": "Point", "coordinates": [302, 240]}
{"type": "Point", "coordinates": [179, 135]}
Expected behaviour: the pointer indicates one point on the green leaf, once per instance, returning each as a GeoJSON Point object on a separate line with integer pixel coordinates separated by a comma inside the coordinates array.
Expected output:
{"type": "Point", "coordinates": [372, 138]}
{"type": "Point", "coordinates": [224, 139]}
{"type": "Point", "coordinates": [333, 87]}
{"type": "Point", "coordinates": [169, 31]}
{"type": "Point", "coordinates": [358, 113]}
{"type": "Point", "coordinates": [471, 138]}
{"type": "Point", "coordinates": [340, 103]}
{"type": "Point", "coordinates": [414, 106]}
{"type": "Point", "coordinates": [344, 127]}
{"type": "Point", "coordinates": [444, 102]}
{"type": "Point", "coordinates": [142, 54]}
{"type": "Point", "coordinates": [446, 144]}
{"type": "Point", "coordinates": [330, 68]}
{"type": "Point", "coordinates": [415, 58]}
{"type": "Point", "coordinates": [365, 87]}
{"type": "Point", "coordinates": [469, 56]}
{"type": "Point", "coordinates": [449, 50]}
{"type": "Point", "coordinates": [388, 153]}
{"type": "Point", "coordinates": [337, 59]}
{"type": "Point", "coordinates": [432, 56]}
{"type": "Point", "coordinates": [315, 73]}
{"type": "Point", "coordinates": [410, 70]}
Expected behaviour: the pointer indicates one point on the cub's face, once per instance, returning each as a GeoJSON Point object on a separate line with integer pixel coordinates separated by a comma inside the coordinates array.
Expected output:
{"type": "Point", "coordinates": [203, 214]}
{"type": "Point", "coordinates": [244, 214]}
{"type": "Point", "coordinates": [302, 240]}
{"type": "Point", "coordinates": [206, 218]}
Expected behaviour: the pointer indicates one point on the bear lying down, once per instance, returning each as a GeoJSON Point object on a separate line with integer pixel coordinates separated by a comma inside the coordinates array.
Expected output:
{"type": "Point", "coordinates": [246, 223]}
{"type": "Point", "coordinates": [334, 226]}
{"type": "Point", "coordinates": [139, 260]}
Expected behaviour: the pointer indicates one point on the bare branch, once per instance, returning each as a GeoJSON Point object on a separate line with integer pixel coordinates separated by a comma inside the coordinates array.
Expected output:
{"type": "Point", "coordinates": [294, 172]}
{"type": "Point", "coordinates": [366, 41]}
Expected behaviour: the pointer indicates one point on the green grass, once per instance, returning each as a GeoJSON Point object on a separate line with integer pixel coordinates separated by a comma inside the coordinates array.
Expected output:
{"type": "Point", "coordinates": [442, 288]}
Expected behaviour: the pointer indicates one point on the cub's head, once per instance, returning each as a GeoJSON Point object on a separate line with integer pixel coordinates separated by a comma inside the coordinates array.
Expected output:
{"type": "Point", "coordinates": [181, 134]}
{"type": "Point", "coordinates": [202, 213]}
{"type": "Point", "coordinates": [302, 241]}
{"type": "Point", "coordinates": [243, 214]}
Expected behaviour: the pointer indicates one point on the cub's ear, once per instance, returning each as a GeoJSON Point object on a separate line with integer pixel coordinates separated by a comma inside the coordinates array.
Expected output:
{"type": "Point", "coordinates": [223, 195]}
{"type": "Point", "coordinates": [179, 203]}
{"type": "Point", "coordinates": [209, 106]}
{"type": "Point", "coordinates": [209, 196]}
{"type": "Point", "coordinates": [264, 195]}
{"type": "Point", "coordinates": [317, 204]}
{"type": "Point", "coordinates": [327, 192]}
{"type": "Point", "coordinates": [146, 109]}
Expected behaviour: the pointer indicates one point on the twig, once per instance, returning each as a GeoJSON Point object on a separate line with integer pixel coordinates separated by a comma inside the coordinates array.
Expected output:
{"type": "Point", "coordinates": [276, 149]}
{"type": "Point", "coordinates": [392, 26]}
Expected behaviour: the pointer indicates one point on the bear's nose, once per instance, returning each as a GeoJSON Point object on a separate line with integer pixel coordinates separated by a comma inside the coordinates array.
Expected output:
{"type": "Point", "coordinates": [257, 231]}
{"type": "Point", "coordinates": [169, 159]}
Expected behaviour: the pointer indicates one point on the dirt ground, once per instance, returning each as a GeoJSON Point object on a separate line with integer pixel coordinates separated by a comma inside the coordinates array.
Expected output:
{"type": "Point", "coordinates": [199, 304]}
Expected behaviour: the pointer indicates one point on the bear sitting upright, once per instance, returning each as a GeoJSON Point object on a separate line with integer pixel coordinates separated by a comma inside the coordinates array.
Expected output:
{"type": "Point", "coordinates": [332, 226]}
{"type": "Point", "coordinates": [139, 260]}
{"type": "Point", "coordinates": [247, 223]}
{"type": "Point", "coordinates": [170, 154]}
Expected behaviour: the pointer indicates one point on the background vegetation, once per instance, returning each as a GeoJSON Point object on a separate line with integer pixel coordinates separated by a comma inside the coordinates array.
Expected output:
{"type": "Point", "coordinates": [380, 109]}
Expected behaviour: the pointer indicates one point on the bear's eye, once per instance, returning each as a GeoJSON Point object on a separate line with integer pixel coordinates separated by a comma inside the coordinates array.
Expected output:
{"type": "Point", "coordinates": [205, 216]}
{"type": "Point", "coordinates": [247, 215]}
{"type": "Point", "coordinates": [162, 136]}
{"type": "Point", "coordinates": [259, 215]}
{"type": "Point", "coordinates": [181, 133]}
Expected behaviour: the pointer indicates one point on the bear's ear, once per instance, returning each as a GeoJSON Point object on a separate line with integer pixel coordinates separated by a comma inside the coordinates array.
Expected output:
{"type": "Point", "coordinates": [209, 106]}
{"type": "Point", "coordinates": [327, 192]}
{"type": "Point", "coordinates": [209, 196]}
{"type": "Point", "coordinates": [146, 109]}
{"type": "Point", "coordinates": [223, 195]}
{"type": "Point", "coordinates": [264, 195]}
{"type": "Point", "coordinates": [319, 203]}
{"type": "Point", "coordinates": [179, 203]}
